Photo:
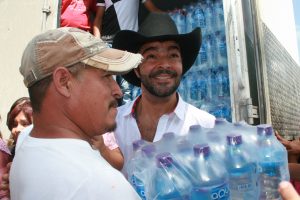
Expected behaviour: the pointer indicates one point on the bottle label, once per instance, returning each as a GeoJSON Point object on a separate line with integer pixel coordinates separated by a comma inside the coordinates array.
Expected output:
{"type": "Point", "coordinates": [220, 192]}
{"type": "Point", "coordinates": [138, 186]}
{"type": "Point", "coordinates": [241, 183]}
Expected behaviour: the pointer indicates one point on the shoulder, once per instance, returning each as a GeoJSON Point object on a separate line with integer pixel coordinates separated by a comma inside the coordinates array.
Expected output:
{"type": "Point", "coordinates": [204, 118]}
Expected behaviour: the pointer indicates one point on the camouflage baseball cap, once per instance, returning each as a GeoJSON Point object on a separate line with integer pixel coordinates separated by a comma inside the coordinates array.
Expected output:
{"type": "Point", "coordinates": [67, 46]}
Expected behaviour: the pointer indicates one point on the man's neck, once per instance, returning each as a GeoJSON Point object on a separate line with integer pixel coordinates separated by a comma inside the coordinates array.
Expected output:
{"type": "Point", "coordinates": [150, 109]}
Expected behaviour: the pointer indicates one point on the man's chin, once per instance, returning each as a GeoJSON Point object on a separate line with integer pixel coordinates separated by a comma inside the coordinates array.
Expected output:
{"type": "Point", "coordinates": [111, 128]}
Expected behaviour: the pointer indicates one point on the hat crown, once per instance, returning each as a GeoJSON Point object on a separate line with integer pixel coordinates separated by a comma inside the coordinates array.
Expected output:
{"type": "Point", "coordinates": [157, 24]}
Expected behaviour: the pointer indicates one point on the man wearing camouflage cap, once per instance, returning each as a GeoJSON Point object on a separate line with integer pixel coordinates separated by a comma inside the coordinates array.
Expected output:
{"type": "Point", "coordinates": [68, 73]}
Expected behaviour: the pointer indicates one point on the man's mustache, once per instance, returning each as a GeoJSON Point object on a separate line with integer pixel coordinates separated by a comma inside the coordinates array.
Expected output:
{"type": "Point", "coordinates": [163, 71]}
{"type": "Point", "coordinates": [113, 104]}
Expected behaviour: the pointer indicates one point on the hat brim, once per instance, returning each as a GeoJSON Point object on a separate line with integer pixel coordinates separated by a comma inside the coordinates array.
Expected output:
{"type": "Point", "coordinates": [114, 61]}
{"type": "Point", "coordinates": [131, 41]}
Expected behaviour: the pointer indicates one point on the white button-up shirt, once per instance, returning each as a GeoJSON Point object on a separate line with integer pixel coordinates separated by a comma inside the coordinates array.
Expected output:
{"type": "Point", "coordinates": [178, 121]}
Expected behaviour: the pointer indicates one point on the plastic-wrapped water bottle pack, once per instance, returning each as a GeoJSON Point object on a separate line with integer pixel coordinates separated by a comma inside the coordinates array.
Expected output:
{"type": "Point", "coordinates": [233, 161]}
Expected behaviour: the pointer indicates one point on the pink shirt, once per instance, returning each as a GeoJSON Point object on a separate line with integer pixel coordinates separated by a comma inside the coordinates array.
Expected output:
{"type": "Point", "coordinates": [110, 140]}
{"type": "Point", "coordinates": [75, 13]}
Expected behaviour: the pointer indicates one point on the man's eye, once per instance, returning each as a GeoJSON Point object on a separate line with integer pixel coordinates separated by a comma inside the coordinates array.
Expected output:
{"type": "Point", "coordinates": [151, 56]}
{"type": "Point", "coordinates": [174, 55]}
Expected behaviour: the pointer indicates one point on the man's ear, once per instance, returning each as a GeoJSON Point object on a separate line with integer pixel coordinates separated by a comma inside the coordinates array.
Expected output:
{"type": "Point", "coordinates": [62, 80]}
{"type": "Point", "coordinates": [137, 72]}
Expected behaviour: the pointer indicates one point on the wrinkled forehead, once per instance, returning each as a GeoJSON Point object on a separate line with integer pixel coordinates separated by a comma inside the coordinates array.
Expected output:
{"type": "Point", "coordinates": [159, 45]}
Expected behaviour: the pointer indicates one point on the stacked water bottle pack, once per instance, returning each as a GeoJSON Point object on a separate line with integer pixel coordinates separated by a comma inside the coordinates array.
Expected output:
{"type": "Point", "coordinates": [206, 85]}
{"type": "Point", "coordinates": [231, 161]}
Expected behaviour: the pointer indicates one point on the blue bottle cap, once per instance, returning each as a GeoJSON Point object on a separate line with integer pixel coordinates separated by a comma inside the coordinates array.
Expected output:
{"type": "Point", "coordinates": [195, 127]}
{"type": "Point", "coordinates": [138, 144]}
{"type": "Point", "coordinates": [184, 145]}
{"type": "Point", "coordinates": [264, 129]}
{"type": "Point", "coordinates": [234, 139]}
{"type": "Point", "coordinates": [148, 150]}
{"type": "Point", "coordinates": [201, 149]}
{"type": "Point", "coordinates": [168, 135]}
{"type": "Point", "coordinates": [164, 159]}
{"type": "Point", "coordinates": [220, 121]}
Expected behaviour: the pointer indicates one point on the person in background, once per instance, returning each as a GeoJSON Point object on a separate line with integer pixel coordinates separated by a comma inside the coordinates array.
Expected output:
{"type": "Point", "coordinates": [293, 149]}
{"type": "Point", "coordinates": [82, 14]}
{"type": "Point", "coordinates": [74, 98]}
{"type": "Point", "coordinates": [106, 144]}
{"type": "Point", "coordinates": [159, 109]}
{"type": "Point", "coordinates": [5, 158]}
{"type": "Point", "coordinates": [18, 117]}
{"type": "Point", "coordinates": [113, 16]}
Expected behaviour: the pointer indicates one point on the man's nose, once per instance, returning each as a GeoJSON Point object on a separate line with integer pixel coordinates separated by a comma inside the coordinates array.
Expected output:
{"type": "Point", "coordinates": [116, 90]}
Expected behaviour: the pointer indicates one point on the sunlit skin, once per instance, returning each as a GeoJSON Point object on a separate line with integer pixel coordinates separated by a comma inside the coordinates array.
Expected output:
{"type": "Point", "coordinates": [160, 74]}
{"type": "Point", "coordinates": [161, 70]}
{"type": "Point", "coordinates": [98, 92]}
{"type": "Point", "coordinates": [20, 122]}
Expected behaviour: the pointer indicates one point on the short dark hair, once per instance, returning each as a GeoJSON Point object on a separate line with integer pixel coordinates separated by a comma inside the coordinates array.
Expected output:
{"type": "Point", "coordinates": [38, 90]}
{"type": "Point", "coordinates": [22, 104]}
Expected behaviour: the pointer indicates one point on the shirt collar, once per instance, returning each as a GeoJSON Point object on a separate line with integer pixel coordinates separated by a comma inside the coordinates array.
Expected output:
{"type": "Point", "coordinates": [130, 107]}
{"type": "Point", "coordinates": [179, 110]}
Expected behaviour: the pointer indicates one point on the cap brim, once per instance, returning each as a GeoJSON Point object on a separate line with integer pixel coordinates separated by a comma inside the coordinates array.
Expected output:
{"type": "Point", "coordinates": [132, 41]}
{"type": "Point", "coordinates": [114, 61]}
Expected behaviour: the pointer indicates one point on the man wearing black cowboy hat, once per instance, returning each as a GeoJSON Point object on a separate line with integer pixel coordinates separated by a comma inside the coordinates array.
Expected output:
{"type": "Point", "coordinates": [160, 109]}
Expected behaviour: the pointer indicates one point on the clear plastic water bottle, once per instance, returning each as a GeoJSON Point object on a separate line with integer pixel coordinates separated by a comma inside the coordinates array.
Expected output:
{"type": "Point", "coordinates": [225, 81]}
{"type": "Point", "coordinates": [210, 180]}
{"type": "Point", "coordinates": [209, 18]}
{"type": "Point", "coordinates": [182, 88]}
{"type": "Point", "coordinates": [221, 49]}
{"type": "Point", "coordinates": [202, 87]}
{"type": "Point", "coordinates": [222, 126]}
{"type": "Point", "coordinates": [180, 21]}
{"type": "Point", "coordinates": [242, 175]}
{"type": "Point", "coordinates": [199, 19]}
{"type": "Point", "coordinates": [222, 83]}
{"type": "Point", "coordinates": [201, 61]}
{"type": "Point", "coordinates": [272, 163]}
{"type": "Point", "coordinates": [194, 87]}
{"type": "Point", "coordinates": [209, 44]}
{"type": "Point", "coordinates": [138, 144]}
{"type": "Point", "coordinates": [167, 142]}
{"type": "Point", "coordinates": [168, 181]}
{"type": "Point", "coordinates": [219, 15]}
{"type": "Point", "coordinates": [135, 167]}
{"type": "Point", "coordinates": [184, 156]}
{"type": "Point", "coordinates": [189, 18]}
{"type": "Point", "coordinates": [196, 134]}
{"type": "Point", "coordinates": [217, 142]}
{"type": "Point", "coordinates": [214, 84]}
{"type": "Point", "coordinates": [139, 172]}
{"type": "Point", "coordinates": [135, 91]}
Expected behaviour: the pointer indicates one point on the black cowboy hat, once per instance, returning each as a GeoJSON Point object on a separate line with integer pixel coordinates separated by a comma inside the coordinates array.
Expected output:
{"type": "Point", "coordinates": [159, 27]}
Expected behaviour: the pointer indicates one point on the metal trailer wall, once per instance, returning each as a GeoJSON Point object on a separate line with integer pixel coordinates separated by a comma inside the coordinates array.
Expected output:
{"type": "Point", "coordinates": [277, 68]}
{"type": "Point", "coordinates": [20, 20]}
{"type": "Point", "coordinates": [282, 76]}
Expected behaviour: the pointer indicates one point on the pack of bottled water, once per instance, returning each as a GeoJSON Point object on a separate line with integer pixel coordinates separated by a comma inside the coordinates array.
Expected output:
{"type": "Point", "coordinates": [206, 85]}
{"type": "Point", "coordinates": [233, 161]}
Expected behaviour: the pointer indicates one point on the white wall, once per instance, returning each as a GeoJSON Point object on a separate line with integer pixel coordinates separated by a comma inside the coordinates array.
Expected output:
{"type": "Point", "coordinates": [20, 20]}
{"type": "Point", "coordinates": [278, 15]}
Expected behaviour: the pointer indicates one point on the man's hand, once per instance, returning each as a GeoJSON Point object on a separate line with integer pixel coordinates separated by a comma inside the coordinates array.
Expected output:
{"type": "Point", "coordinates": [287, 191]}
{"type": "Point", "coordinates": [293, 147]}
